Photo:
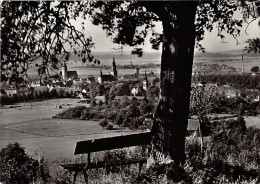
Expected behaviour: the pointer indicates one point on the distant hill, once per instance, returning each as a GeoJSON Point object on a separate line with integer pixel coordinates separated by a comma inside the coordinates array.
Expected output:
{"type": "Point", "coordinates": [124, 58]}
{"type": "Point", "coordinates": [226, 54]}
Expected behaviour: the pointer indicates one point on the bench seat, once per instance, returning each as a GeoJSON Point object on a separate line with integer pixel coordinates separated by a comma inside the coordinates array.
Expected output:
{"type": "Point", "coordinates": [81, 166]}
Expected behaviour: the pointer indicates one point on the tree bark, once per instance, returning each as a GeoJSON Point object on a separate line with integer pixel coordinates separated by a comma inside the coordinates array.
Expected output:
{"type": "Point", "coordinates": [171, 118]}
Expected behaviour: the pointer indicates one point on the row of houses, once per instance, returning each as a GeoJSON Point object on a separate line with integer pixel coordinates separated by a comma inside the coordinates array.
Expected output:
{"type": "Point", "coordinates": [231, 92]}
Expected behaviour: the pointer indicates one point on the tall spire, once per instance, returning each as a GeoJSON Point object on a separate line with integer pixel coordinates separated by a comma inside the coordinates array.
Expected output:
{"type": "Point", "coordinates": [145, 81]}
{"type": "Point", "coordinates": [100, 78]}
{"type": "Point", "coordinates": [114, 62]}
{"type": "Point", "coordinates": [114, 70]}
{"type": "Point", "coordinates": [64, 70]}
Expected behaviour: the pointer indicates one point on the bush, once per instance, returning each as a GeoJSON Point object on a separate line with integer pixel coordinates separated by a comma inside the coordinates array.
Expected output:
{"type": "Point", "coordinates": [110, 127]}
{"type": "Point", "coordinates": [103, 123]}
{"type": "Point", "coordinates": [18, 167]}
{"type": "Point", "coordinates": [255, 69]}
{"type": "Point", "coordinates": [72, 112]}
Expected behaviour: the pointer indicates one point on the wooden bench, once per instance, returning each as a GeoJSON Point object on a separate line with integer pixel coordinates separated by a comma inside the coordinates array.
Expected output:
{"type": "Point", "coordinates": [95, 145]}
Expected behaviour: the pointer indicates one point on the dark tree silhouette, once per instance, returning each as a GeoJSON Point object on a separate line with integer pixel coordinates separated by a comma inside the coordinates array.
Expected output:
{"type": "Point", "coordinates": [38, 30]}
{"type": "Point", "coordinates": [183, 22]}
{"type": "Point", "coordinates": [253, 45]}
{"type": "Point", "coordinates": [18, 167]}
{"type": "Point", "coordinates": [255, 69]}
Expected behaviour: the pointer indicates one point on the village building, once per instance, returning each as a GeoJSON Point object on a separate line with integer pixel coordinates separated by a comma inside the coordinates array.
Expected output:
{"type": "Point", "coordinates": [68, 74]}
{"type": "Point", "coordinates": [111, 76]}
{"type": "Point", "coordinates": [145, 81]}
{"type": "Point", "coordinates": [89, 79]}
{"type": "Point", "coordinates": [9, 89]}
{"type": "Point", "coordinates": [138, 91]}
{"type": "Point", "coordinates": [35, 84]}
{"type": "Point", "coordinates": [253, 94]}
{"type": "Point", "coordinates": [41, 88]}
{"type": "Point", "coordinates": [100, 98]}
{"type": "Point", "coordinates": [135, 91]}
{"type": "Point", "coordinates": [146, 78]}
{"type": "Point", "coordinates": [139, 98]}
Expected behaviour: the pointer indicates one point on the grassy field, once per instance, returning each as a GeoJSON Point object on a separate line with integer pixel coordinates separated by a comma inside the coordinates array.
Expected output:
{"type": "Point", "coordinates": [42, 136]}
{"type": "Point", "coordinates": [235, 62]}
{"type": "Point", "coordinates": [31, 125]}
{"type": "Point", "coordinates": [253, 121]}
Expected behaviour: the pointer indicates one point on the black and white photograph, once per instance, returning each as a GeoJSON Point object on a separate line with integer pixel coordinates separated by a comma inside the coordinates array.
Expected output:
{"type": "Point", "coordinates": [129, 92]}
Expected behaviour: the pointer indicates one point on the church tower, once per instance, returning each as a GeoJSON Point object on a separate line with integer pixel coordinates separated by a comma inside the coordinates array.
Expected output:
{"type": "Point", "coordinates": [137, 71]}
{"type": "Point", "coordinates": [100, 78]}
{"type": "Point", "coordinates": [145, 81]}
{"type": "Point", "coordinates": [64, 71]}
{"type": "Point", "coordinates": [114, 70]}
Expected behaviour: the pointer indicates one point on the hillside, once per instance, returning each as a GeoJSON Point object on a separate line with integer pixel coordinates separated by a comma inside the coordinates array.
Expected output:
{"type": "Point", "coordinates": [225, 54]}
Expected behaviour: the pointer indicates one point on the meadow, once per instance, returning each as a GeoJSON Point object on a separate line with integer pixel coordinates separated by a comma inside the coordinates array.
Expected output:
{"type": "Point", "coordinates": [43, 136]}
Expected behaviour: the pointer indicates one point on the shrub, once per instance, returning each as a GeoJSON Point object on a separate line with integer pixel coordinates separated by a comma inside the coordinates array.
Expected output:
{"type": "Point", "coordinates": [103, 123]}
{"type": "Point", "coordinates": [18, 167]}
{"type": "Point", "coordinates": [255, 69]}
{"type": "Point", "coordinates": [72, 112]}
{"type": "Point", "coordinates": [110, 127]}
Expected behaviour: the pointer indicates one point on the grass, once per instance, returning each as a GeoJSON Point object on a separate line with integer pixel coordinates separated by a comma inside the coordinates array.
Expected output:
{"type": "Point", "coordinates": [252, 121]}
{"type": "Point", "coordinates": [53, 139]}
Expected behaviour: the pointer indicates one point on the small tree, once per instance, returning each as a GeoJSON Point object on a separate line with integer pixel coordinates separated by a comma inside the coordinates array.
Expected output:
{"type": "Point", "coordinates": [53, 93]}
{"type": "Point", "coordinates": [93, 103]}
{"type": "Point", "coordinates": [35, 95]}
{"type": "Point", "coordinates": [18, 167]}
{"type": "Point", "coordinates": [255, 69]}
{"type": "Point", "coordinates": [103, 123]}
{"type": "Point", "coordinates": [110, 127]}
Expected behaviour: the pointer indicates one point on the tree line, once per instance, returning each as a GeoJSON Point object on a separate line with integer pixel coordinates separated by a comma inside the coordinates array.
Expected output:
{"type": "Point", "coordinates": [239, 81]}
{"type": "Point", "coordinates": [35, 95]}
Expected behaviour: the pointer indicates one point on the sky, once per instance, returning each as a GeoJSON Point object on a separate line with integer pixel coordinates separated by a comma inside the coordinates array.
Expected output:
{"type": "Point", "coordinates": [211, 42]}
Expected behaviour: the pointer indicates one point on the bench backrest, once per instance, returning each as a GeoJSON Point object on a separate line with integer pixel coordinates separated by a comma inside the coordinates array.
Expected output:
{"type": "Point", "coordinates": [109, 143]}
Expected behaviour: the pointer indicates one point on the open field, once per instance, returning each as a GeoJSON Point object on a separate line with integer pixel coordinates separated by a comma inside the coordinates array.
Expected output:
{"type": "Point", "coordinates": [31, 125]}
{"type": "Point", "coordinates": [53, 139]}
{"type": "Point", "coordinates": [253, 121]}
{"type": "Point", "coordinates": [235, 62]}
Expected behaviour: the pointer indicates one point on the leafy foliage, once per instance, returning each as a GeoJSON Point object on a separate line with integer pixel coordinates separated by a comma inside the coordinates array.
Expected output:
{"type": "Point", "coordinates": [128, 23]}
{"type": "Point", "coordinates": [18, 167]}
{"type": "Point", "coordinates": [32, 30]}
{"type": "Point", "coordinates": [255, 69]}
{"type": "Point", "coordinates": [43, 30]}
{"type": "Point", "coordinates": [238, 81]}
{"type": "Point", "coordinates": [253, 45]}
{"type": "Point", "coordinates": [72, 112]}
{"type": "Point", "coordinates": [103, 123]}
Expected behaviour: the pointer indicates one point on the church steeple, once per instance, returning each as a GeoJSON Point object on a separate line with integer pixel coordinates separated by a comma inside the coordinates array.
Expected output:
{"type": "Point", "coordinates": [100, 78]}
{"type": "Point", "coordinates": [64, 70]}
{"type": "Point", "coordinates": [114, 62]}
{"type": "Point", "coordinates": [114, 70]}
{"type": "Point", "coordinates": [145, 81]}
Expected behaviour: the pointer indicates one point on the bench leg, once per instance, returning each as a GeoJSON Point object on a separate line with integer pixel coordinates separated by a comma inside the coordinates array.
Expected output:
{"type": "Point", "coordinates": [107, 169]}
{"type": "Point", "coordinates": [85, 176]}
{"type": "Point", "coordinates": [75, 177]}
{"type": "Point", "coordinates": [140, 168]}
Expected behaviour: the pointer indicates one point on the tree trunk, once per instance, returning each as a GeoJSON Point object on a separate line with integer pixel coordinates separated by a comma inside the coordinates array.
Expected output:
{"type": "Point", "coordinates": [176, 69]}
